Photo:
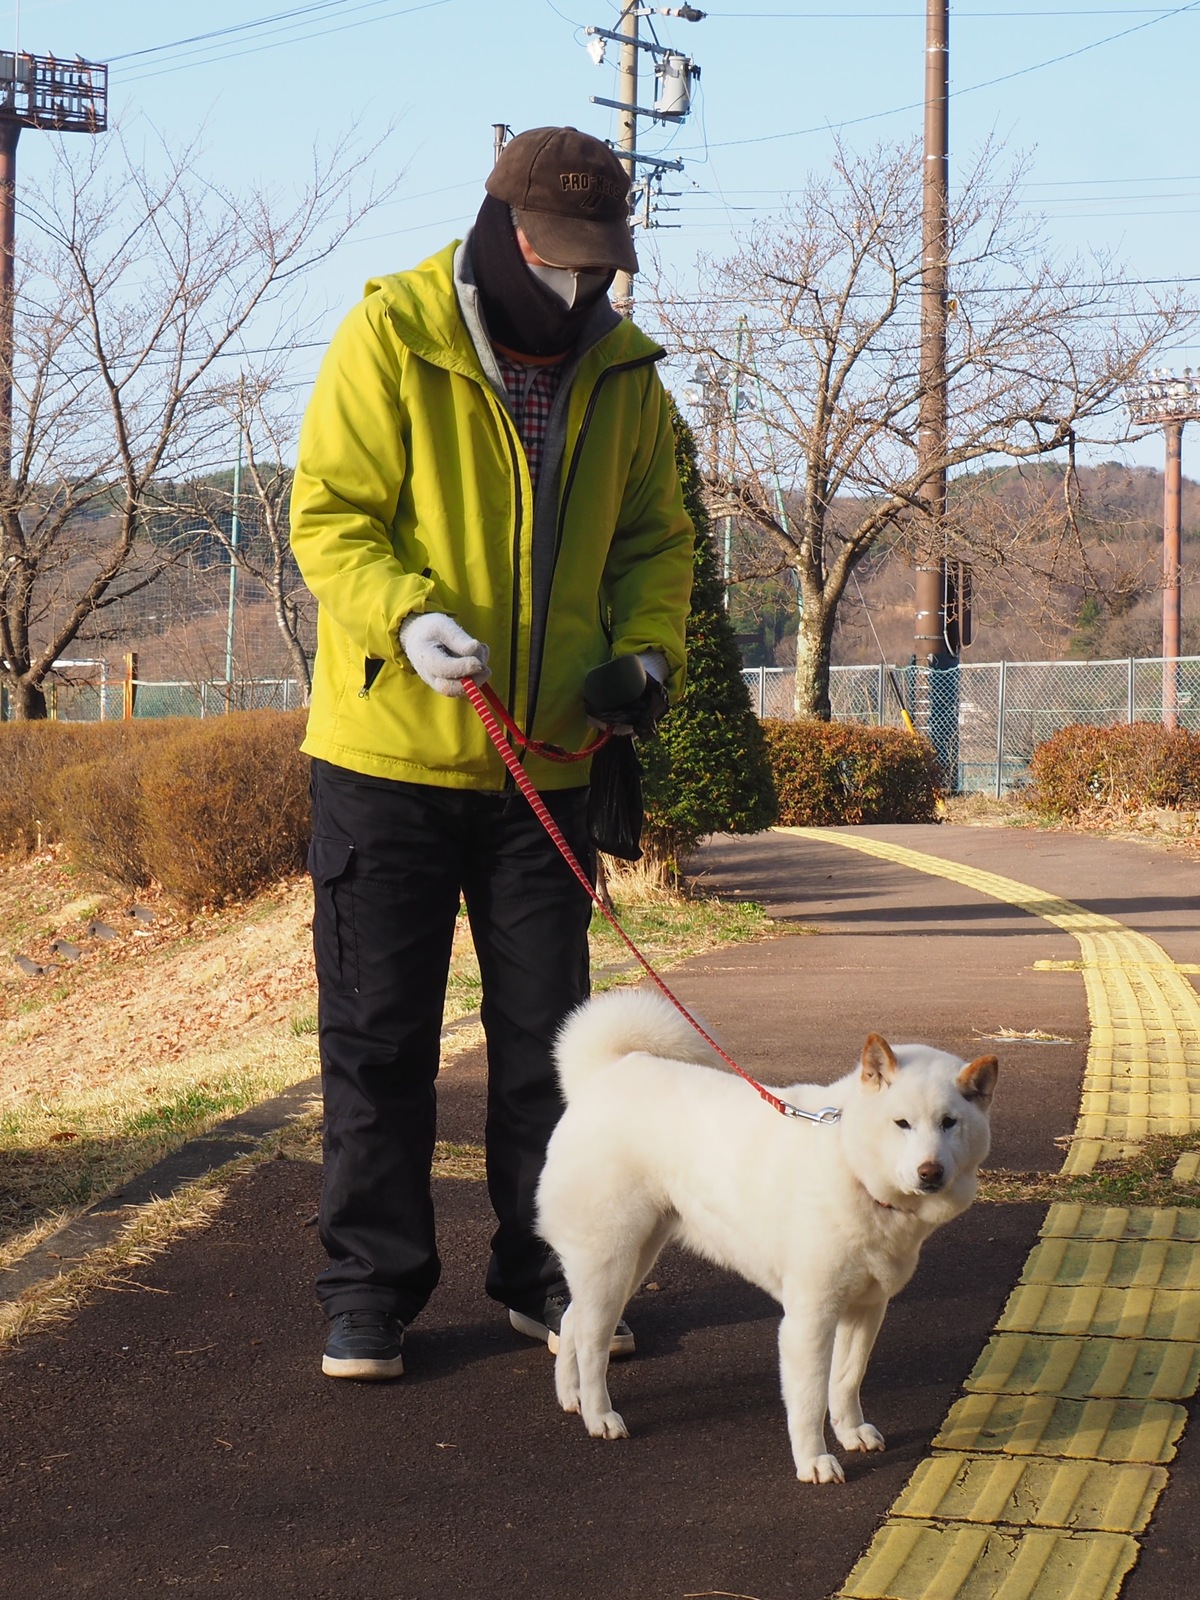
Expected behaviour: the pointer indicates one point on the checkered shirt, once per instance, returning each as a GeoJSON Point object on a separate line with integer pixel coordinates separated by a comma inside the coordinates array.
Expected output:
{"type": "Point", "coordinates": [531, 391]}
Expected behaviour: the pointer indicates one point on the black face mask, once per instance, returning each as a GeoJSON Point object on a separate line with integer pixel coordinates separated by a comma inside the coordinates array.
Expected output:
{"type": "Point", "coordinates": [521, 313]}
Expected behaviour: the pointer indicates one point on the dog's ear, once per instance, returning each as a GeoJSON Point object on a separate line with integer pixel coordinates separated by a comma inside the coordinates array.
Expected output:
{"type": "Point", "coordinates": [977, 1080]}
{"type": "Point", "coordinates": [879, 1065]}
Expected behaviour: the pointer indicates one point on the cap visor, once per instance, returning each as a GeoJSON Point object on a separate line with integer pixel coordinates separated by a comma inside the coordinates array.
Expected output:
{"type": "Point", "coordinates": [579, 245]}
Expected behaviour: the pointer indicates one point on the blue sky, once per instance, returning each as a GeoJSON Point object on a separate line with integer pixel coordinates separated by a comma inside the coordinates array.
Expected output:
{"type": "Point", "coordinates": [1109, 125]}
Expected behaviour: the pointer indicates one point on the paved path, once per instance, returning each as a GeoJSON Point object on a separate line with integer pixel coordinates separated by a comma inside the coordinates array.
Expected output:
{"type": "Point", "coordinates": [177, 1434]}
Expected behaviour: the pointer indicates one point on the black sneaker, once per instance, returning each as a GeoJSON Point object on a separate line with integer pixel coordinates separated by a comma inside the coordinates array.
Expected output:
{"type": "Point", "coordinates": [363, 1344]}
{"type": "Point", "coordinates": [546, 1323]}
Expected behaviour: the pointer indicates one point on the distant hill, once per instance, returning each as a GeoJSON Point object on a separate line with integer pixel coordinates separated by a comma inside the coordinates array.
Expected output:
{"type": "Point", "coordinates": [1087, 583]}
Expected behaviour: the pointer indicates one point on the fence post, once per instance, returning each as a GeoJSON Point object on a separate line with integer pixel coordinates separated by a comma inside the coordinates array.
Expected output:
{"type": "Point", "coordinates": [130, 686]}
{"type": "Point", "coordinates": [762, 693]}
{"type": "Point", "coordinates": [1000, 698]}
{"type": "Point", "coordinates": [1132, 712]}
{"type": "Point", "coordinates": [879, 699]}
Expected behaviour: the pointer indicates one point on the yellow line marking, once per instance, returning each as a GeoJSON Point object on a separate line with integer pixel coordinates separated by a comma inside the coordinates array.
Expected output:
{"type": "Point", "coordinates": [1103, 1330]}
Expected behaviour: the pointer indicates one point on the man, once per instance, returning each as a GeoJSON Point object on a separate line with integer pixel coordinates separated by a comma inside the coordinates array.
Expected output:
{"type": "Point", "coordinates": [485, 486]}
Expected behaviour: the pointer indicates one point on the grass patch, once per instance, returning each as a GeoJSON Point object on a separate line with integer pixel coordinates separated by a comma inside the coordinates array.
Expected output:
{"type": "Point", "coordinates": [1146, 1178]}
{"type": "Point", "coordinates": [61, 1157]}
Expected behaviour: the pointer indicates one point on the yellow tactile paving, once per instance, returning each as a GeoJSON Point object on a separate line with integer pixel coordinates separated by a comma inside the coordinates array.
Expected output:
{"type": "Point", "coordinates": [1048, 1425]}
{"type": "Point", "coordinates": [1067, 1417]}
{"type": "Point", "coordinates": [914, 1561]}
{"type": "Point", "coordinates": [1079, 1495]}
{"type": "Point", "coordinates": [1115, 1263]}
{"type": "Point", "coordinates": [1104, 1313]}
{"type": "Point", "coordinates": [1071, 1220]}
{"type": "Point", "coordinates": [1087, 1368]}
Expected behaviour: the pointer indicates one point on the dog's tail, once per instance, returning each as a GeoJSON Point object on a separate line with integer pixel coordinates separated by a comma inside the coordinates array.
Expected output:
{"type": "Point", "coordinates": [613, 1025]}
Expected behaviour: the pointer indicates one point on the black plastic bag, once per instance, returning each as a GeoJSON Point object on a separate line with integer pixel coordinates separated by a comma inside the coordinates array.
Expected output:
{"type": "Point", "coordinates": [615, 800]}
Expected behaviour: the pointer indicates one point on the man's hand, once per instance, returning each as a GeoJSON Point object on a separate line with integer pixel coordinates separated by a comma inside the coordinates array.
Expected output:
{"type": "Point", "coordinates": [642, 712]}
{"type": "Point", "coordinates": [442, 653]}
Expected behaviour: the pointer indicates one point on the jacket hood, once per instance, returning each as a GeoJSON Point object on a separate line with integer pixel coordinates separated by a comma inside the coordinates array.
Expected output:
{"type": "Point", "coordinates": [424, 306]}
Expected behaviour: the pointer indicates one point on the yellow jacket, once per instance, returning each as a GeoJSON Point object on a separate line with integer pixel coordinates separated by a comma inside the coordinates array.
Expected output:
{"type": "Point", "coordinates": [412, 493]}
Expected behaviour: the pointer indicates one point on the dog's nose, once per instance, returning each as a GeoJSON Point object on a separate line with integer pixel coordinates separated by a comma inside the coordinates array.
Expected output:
{"type": "Point", "coordinates": [931, 1174]}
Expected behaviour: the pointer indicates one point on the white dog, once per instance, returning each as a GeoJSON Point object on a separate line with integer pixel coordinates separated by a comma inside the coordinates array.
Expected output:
{"type": "Point", "coordinates": [658, 1145]}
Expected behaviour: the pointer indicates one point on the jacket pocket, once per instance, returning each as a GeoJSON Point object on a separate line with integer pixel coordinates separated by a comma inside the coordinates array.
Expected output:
{"type": "Point", "coordinates": [335, 946]}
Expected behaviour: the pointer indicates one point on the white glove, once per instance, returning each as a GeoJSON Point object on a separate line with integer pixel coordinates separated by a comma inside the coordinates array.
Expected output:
{"type": "Point", "coordinates": [442, 653]}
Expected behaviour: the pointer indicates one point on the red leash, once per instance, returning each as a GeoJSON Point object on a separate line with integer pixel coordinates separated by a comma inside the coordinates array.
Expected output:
{"type": "Point", "coordinates": [484, 700]}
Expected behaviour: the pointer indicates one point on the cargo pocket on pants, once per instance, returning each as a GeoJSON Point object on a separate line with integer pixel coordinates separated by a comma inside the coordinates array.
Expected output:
{"type": "Point", "coordinates": [335, 947]}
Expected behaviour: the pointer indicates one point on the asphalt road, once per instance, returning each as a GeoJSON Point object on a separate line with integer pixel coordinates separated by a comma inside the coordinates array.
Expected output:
{"type": "Point", "coordinates": [177, 1433]}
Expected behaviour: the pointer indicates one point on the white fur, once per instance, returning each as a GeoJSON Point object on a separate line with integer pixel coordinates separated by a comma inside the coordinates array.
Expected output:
{"type": "Point", "coordinates": [655, 1147]}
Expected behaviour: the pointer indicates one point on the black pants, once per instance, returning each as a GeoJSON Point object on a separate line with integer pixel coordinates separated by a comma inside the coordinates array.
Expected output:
{"type": "Point", "coordinates": [388, 863]}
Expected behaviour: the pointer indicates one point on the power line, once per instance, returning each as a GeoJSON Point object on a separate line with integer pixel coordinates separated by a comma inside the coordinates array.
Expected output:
{"type": "Point", "coordinates": [959, 16]}
{"type": "Point", "coordinates": [204, 56]}
{"type": "Point", "coordinates": [989, 83]}
{"type": "Point", "coordinates": [237, 27]}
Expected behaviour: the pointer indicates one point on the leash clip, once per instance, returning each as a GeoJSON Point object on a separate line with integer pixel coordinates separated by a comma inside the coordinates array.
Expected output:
{"type": "Point", "coordinates": [824, 1118]}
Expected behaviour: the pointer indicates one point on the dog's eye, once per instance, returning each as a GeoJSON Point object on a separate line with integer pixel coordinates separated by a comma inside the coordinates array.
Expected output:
{"type": "Point", "coordinates": [949, 1122]}
{"type": "Point", "coordinates": [900, 1123]}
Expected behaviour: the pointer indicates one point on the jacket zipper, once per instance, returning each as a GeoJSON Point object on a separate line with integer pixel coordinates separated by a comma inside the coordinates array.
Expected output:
{"type": "Point", "coordinates": [560, 528]}
{"type": "Point", "coordinates": [516, 563]}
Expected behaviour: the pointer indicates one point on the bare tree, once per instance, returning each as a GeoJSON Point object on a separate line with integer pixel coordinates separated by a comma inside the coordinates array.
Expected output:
{"type": "Point", "coordinates": [823, 306]}
{"type": "Point", "coordinates": [140, 280]}
{"type": "Point", "coordinates": [260, 409]}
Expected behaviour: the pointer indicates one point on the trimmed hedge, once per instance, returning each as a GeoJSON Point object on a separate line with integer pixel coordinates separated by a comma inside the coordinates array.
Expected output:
{"type": "Point", "coordinates": [1127, 767]}
{"type": "Point", "coordinates": [211, 810]}
{"type": "Point", "coordinates": [842, 772]}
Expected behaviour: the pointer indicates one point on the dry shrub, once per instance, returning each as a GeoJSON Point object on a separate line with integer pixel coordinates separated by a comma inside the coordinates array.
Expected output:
{"type": "Point", "coordinates": [32, 754]}
{"type": "Point", "coordinates": [828, 773]}
{"type": "Point", "coordinates": [96, 801]}
{"type": "Point", "coordinates": [225, 806]}
{"type": "Point", "coordinates": [1128, 768]}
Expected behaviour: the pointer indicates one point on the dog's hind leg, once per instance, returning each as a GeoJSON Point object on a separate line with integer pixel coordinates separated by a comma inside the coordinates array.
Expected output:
{"type": "Point", "coordinates": [852, 1348]}
{"type": "Point", "coordinates": [598, 1294]}
{"type": "Point", "coordinates": [806, 1337]}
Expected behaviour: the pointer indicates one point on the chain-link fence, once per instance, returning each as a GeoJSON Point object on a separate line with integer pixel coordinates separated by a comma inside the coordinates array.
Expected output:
{"type": "Point", "coordinates": [986, 718]}
{"type": "Point", "coordinates": [101, 697]}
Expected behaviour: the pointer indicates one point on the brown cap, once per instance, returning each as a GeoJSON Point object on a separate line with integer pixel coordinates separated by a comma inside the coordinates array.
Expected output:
{"type": "Point", "coordinates": [571, 197]}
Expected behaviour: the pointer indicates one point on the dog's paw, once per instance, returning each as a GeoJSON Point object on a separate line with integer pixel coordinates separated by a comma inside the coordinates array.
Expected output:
{"type": "Point", "coordinates": [608, 1425]}
{"type": "Point", "coordinates": [569, 1400]}
{"type": "Point", "coordinates": [864, 1437]}
{"type": "Point", "coordinates": [820, 1469]}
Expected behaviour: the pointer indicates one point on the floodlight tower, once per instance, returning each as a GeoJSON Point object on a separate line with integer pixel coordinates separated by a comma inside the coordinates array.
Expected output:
{"type": "Point", "coordinates": [35, 92]}
{"type": "Point", "coordinates": [1163, 397]}
{"type": "Point", "coordinates": [675, 73]}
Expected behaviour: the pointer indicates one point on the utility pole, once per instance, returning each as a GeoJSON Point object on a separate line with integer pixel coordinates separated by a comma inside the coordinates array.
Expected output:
{"type": "Point", "coordinates": [500, 136]}
{"type": "Point", "coordinates": [235, 528]}
{"type": "Point", "coordinates": [1170, 401]}
{"type": "Point", "coordinates": [627, 94]}
{"type": "Point", "coordinates": [929, 642]}
{"type": "Point", "coordinates": [675, 73]}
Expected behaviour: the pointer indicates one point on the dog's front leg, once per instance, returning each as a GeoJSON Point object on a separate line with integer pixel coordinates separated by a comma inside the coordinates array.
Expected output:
{"type": "Point", "coordinates": [806, 1337]}
{"type": "Point", "coordinates": [566, 1364]}
{"type": "Point", "coordinates": [852, 1348]}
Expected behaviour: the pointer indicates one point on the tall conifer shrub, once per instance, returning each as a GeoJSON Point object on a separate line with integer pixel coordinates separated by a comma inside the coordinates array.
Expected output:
{"type": "Point", "coordinates": [707, 771]}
